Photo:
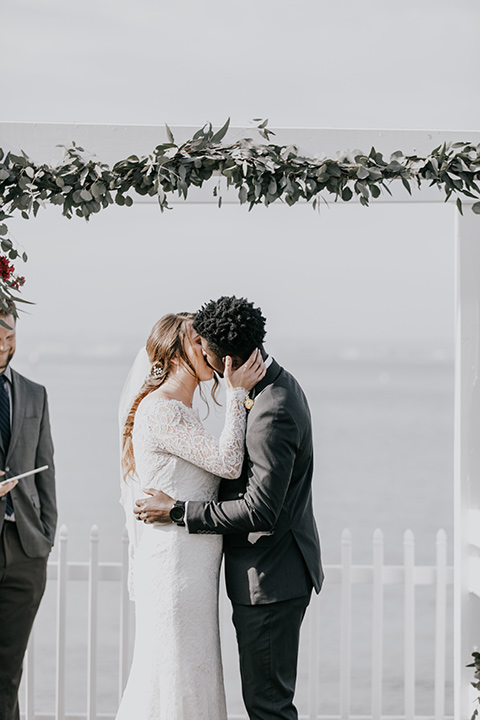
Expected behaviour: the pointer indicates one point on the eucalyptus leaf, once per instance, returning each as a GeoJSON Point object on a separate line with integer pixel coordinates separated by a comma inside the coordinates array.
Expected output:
{"type": "Point", "coordinates": [98, 189]}
{"type": "Point", "coordinates": [406, 185]}
{"type": "Point", "coordinates": [362, 173]}
{"type": "Point", "coordinates": [220, 134]}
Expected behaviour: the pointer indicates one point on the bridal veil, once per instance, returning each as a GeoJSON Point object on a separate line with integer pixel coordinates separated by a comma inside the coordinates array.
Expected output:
{"type": "Point", "coordinates": [130, 488]}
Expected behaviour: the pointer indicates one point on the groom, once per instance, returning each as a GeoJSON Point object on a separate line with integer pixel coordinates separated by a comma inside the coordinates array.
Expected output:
{"type": "Point", "coordinates": [272, 552]}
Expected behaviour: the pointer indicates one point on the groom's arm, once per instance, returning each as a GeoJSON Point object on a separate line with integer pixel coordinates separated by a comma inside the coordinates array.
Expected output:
{"type": "Point", "coordinates": [272, 446]}
{"type": "Point", "coordinates": [272, 442]}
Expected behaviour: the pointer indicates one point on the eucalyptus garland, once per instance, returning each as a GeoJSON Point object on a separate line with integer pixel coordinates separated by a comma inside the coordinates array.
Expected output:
{"type": "Point", "coordinates": [262, 173]}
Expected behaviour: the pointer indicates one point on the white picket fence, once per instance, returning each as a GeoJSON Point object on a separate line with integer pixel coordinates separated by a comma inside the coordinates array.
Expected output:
{"type": "Point", "coordinates": [346, 575]}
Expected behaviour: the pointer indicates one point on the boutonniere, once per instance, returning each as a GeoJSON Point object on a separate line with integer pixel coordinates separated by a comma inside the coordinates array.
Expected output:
{"type": "Point", "coordinates": [248, 402]}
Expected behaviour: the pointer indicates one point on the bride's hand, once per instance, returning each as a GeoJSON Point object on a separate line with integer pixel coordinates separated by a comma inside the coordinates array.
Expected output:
{"type": "Point", "coordinates": [248, 374]}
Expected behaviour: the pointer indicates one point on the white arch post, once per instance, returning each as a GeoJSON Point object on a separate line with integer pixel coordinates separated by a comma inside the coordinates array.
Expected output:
{"type": "Point", "coordinates": [115, 142]}
{"type": "Point", "coordinates": [467, 460]}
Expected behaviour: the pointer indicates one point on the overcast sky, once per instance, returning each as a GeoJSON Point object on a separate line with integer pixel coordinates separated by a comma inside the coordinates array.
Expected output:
{"type": "Point", "coordinates": [346, 275]}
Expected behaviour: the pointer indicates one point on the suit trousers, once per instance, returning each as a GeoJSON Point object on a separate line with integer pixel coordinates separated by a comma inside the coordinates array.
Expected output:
{"type": "Point", "coordinates": [22, 584]}
{"type": "Point", "coordinates": [268, 638]}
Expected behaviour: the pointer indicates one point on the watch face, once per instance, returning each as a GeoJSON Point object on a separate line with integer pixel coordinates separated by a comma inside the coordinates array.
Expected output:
{"type": "Point", "coordinates": [249, 403]}
{"type": "Point", "coordinates": [177, 513]}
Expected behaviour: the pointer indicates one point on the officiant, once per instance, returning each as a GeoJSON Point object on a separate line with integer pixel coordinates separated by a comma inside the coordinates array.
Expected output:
{"type": "Point", "coordinates": [28, 514]}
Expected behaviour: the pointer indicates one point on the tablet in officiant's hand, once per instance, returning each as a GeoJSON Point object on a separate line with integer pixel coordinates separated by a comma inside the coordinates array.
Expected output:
{"type": "Point", "coordinates": [25, 474]}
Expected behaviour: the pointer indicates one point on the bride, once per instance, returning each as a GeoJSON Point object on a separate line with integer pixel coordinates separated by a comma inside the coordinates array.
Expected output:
{"type": "Point", "coordinates": [176, 672]}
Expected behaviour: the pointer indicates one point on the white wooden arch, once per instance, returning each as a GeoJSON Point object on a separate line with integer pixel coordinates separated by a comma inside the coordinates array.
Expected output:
{"type": "Point", "coordinates": [115, 142]}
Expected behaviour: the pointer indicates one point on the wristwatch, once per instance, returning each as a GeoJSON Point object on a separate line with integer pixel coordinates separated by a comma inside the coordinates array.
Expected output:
{"type": "Point", "coordinates": [177, 513]}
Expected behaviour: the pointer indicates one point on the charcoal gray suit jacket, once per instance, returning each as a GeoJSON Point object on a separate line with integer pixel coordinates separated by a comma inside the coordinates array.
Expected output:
{"type": "Point", "coordinates": [271, 545]}
{"type": "Point", "coordinates": [31, 446]}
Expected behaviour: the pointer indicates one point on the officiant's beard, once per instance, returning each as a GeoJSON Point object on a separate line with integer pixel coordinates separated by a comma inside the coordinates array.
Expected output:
{"type": "Point", "coordinates": [5, 359]}
{"type": "Point", "coordinates": [7, 341]}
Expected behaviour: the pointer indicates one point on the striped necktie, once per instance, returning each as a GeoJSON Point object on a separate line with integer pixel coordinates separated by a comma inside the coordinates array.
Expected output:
{"type": "Point", "coordinates": [5, 428]}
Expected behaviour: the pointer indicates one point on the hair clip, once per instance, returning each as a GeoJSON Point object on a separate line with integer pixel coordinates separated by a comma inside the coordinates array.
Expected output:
{"type": "Point", "coordinates": [157, 370]}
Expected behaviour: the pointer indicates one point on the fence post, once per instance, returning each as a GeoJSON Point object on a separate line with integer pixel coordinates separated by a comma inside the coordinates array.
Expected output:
{"type": "Point", "coordinates": [440, 623]}
{"type": "Point", "coordinates": [346, 626]}
{"type": "Point", "coordinates": [92, 625]}
{"type": "Point", "coordinates": [30, 678]}
{"type": "Point", "coordinates": [124, 618]}
{"type": "Point", "coordinates": [61, 624]}
{"type": "Point", "coordinates": [409, 624]}
{"type": "Point", "coordinates": [313, 625]}
{"type": "Point", "coordinates": [377, 625]}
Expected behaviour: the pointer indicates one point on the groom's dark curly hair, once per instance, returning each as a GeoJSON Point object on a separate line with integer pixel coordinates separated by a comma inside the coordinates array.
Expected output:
{"type": "Point", "coordinates": [231, 326]}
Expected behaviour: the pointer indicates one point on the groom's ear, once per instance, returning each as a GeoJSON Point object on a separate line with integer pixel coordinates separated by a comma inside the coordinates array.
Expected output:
{"type": "Point", "coordinates": [236, 361]}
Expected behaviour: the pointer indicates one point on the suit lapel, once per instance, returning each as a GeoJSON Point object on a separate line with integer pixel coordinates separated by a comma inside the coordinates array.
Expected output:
{"type": "Point", "coordinates": [270, 376]}
{"type": "Point", "coordinates": [19, 402]}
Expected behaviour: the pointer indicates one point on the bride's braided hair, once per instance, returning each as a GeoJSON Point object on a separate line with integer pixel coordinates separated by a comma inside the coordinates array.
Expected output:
{"type": "Point", "coordinates": [231, 326]}
{"type": "Point", "coordinates": [165, 342]}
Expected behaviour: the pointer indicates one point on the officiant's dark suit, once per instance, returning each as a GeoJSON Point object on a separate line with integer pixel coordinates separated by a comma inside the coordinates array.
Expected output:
{"type": "Point", "coordinates": [272, 551]}
{"type": "Point", "coordinates": [28, 519]}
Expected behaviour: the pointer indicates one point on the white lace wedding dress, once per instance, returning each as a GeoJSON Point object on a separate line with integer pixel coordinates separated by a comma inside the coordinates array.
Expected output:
{"type": "Point", "coordinates": [176, 672]}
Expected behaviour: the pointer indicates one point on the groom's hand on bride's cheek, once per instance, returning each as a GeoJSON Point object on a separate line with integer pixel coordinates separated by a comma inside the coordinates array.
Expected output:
{"type": "Point", "coordinates": [154, 509]}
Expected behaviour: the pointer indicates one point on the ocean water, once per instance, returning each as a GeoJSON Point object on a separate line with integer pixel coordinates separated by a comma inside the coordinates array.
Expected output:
{"type": "Point", "coordinates": [383, 425]}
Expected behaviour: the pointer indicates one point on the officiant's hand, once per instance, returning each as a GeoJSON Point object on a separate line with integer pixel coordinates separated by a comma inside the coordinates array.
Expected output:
{"type": "Point", "coordinates": [154, 509]}
{"type": "Point", "coordinates": [4, 489]}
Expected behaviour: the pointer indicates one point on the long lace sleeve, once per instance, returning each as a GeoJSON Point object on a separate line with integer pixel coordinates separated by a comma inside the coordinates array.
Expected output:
{"type": "Point", "coordinates": [178, 431]}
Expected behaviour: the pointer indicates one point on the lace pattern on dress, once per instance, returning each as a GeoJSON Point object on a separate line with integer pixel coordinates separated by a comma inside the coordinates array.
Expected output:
{"type": "Point", "coordinates": [167, 429]}
{"type": "Point", "coordinates": [176, 429]}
